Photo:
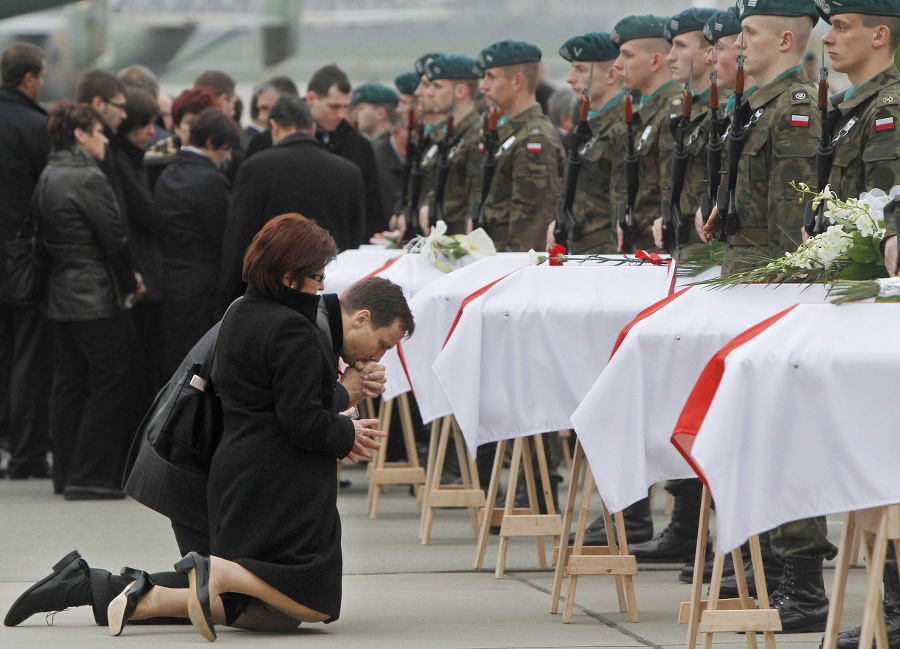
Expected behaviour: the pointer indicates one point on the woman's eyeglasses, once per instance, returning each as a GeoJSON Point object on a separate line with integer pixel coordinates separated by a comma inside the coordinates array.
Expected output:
{"type": "Point", "coordinates": [320, 278]}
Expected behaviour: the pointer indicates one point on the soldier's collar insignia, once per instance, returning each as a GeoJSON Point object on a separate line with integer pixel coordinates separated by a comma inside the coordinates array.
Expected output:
{"type": "Point", "coordinates": [535, 130]}
{"type": "Point", "coordinates": [887, 100]}
{"type": "Point", "coordinates": [800, 94]}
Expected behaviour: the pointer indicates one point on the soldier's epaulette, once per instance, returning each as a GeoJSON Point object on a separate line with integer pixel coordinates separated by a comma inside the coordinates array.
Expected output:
{"type": "Point", "coordinates": [800, 94]}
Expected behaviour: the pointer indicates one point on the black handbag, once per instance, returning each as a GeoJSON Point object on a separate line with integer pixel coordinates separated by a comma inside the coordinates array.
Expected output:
{"type": "Point", "coordinates": [26, 262]}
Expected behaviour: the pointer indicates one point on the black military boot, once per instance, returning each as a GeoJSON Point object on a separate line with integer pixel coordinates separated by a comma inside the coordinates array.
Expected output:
{"type": "Point", "coordinates": [800, 598]}
{"type": "Point", "coordinates": [68, 586]}
{"type": "Point", "coordinates": [638, 526]}
{"type": "Point", "coordinates": [678, 540]}
{"type": "Point", "coordinates": [850, 639]}
{"type": "Point", "coordinates": [687, 570]}
{"type": "Point", "coordinates": [521, 500]}
{"type": "Point", "coordinates": [772, 569]}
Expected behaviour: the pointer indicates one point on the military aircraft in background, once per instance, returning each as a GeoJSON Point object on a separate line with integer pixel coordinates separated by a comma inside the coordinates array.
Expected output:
{"type": "Point", "coordinates": [161, 34]}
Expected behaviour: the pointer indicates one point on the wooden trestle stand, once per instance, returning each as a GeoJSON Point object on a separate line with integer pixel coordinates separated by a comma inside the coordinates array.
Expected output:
{"type": "Point", "coordinates": [879, 526]}
{"type": "Point", "coordinates": [722, 615]}
{"type": "Point", "coordinates": [435, 495]}
{"type": "Point", "coordinates": [611, 559]}
{"type": "Point", "coordinates": [382, 473]}
{"type": "Point", "coordinates": [518, 521]}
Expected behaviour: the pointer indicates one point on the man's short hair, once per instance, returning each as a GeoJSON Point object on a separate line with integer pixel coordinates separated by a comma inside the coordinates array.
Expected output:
{"type": "Point", "coordinates": [800, 26]}
{"type": "Point", "coordinates": [470, 84]}
{"type": "Point", "coordinates": [18, 60]}
{"type": "Point", "coordinates": [561, 102]}
{"type": "Point", "coordinates": [324, 78]}
{"type": "Point", "coordinates": [284, 85]}
{"type": "Point", "coordinates": [290, 112]}
{"type": "Point", "coordinates": [98, 83]}
{"type": "Point", "coordinates": [383, 299]}
{"type": "Point", "coordinates": [214, 129]}
{"type": "Point", "coordinates": [531, 71]}
{"type": "Point", "coordinates": [219, 82]}
{"type": "Point", "coordinates": [138, 76]}
{"type": "Point", "coordinates": [891, 22]}
{"type": "Point", "coordinates": [140, 109]}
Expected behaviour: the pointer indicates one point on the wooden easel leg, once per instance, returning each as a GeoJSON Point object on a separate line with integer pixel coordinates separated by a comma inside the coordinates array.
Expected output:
{"type": "Point", "coordinates": [546, 483]}
{"type": "Point", "coordinates": [762, 591]}
{"type": "Point", "coordinates": [387, 409]}
{"type": "Point", "coordinates": [493, 487]}
{"type": "Point", "coordinates": [839, 589]}
{"type": "Point", "coordinates": [743, 591]}
{"type": "Point", "coordinates": [584, 512]}
{"type": "Point", "coordinates": [462, 456]}
{"type": "Point", "coordinates": [562, 556]}
{"type": "Point", "coordinates": [528, 470]}
{"type": "Point", "coordinates": [629, 580]}
{"type": "Point", "coordinates": [564, 437]}
{"type": "Point", "coordinates": [609, 524]}
{"type": "Point", "coordinates": [873, 612]}
{"type": "Point", "coordinates": [713, 601]}
{"type": "Point", "coordinates": [510, 503]}
{"type": "Point", "coordinates": [699, 561]}
{"type": "Point", "coordinates": [436, 480]}
{"type": "Point", "coordinates": [429, 472]}
{"type": "Point", "coordinates": [409, 437]}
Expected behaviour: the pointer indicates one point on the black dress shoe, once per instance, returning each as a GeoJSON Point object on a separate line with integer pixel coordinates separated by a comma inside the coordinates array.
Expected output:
{"type": "Point", "coordinates": [73, 492]}
{"type": "Point", "coordinates": [124, 605]}
{"type": "Point", "coordinates": [669, 546]}
{"type": "Point", "coordinates": [40, 471]}
{"type": "Point", "coordinates": [69, 585]}
{"type": "Point", "coordinates": [687, 571]}
{"type": "Point", "coordinates": [638, 526]}
{"type": "Point", "coordinates": [197, 568]}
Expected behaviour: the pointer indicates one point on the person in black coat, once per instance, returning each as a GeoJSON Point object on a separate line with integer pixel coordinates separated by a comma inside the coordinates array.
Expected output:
{"type": "Point", "coordinates": [328, 95]}
{"type": "Point", "coordinates": [296, 175]}
{"type": "Point", "coordinates": [191, 199]}
{"type": "Point", "coordinates": [273, 478]}
{"type": "Point", "coordinates": [389, 156]}
{"type": "Point", "coordinates": [90, 281]}
{"type": "Point", "coordinates": [24, 333]}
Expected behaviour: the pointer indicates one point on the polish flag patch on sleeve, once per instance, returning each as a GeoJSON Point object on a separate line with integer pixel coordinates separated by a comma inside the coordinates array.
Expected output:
{"type": "Point", "coordinates": [884, 124]}
{"type": "Point", "coordinates": [481, 147]}
{"type": "Point", "coordinates": [534, 147]}
{"type": "Point", "coordinates": [800, 120]}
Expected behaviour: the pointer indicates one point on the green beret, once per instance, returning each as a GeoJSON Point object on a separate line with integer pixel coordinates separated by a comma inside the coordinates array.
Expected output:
{"type": "Point", "coordinates": [420, 62]}
{"type": "Point", "coordinates": [633, 27]}
{"type": "Point", "coordinates": [504, 53]}
{"type": "Point", "coordinates": [777, 8]}
{"type": "Point", "coordinates": [829, 8]}
{"type": "Point", "coordinates": [689, 20]}
{"type": "Point", "coordinates": [407, 82]}
{"type": "Point", "coordinates": [596, 46]}
{"type": "Point", "coordinates": [374, 93]}
{"type": "Point", "coordinates": [451, 66]}
{"type": "Point", "coordinates": [722, 23]}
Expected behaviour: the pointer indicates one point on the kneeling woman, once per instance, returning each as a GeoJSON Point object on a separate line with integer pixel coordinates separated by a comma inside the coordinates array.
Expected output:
{"type": "Point", "coordinates": [276, 533]}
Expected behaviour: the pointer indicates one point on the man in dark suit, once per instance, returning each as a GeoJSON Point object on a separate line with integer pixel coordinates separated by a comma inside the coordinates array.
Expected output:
{"type": "Point", "coordinates": [24, 335]}
{"type": "Point", "coordinates": [298, 175]}
{"type": "Point", "coordinates": [390, 154]}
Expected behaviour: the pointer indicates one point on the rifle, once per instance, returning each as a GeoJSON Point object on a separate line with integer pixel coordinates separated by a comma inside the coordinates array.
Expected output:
{"type": "Point", "coordinates": [715, 144]}
{"type": "Point", "coordinates": [436, 212]}
{"type": "Point", "coordinates": [567, 229]}
{"type": "Point", "coordinates": [411, 213]}
{"type": "Point", "coordinates": [407, 161]}
{"type": "Point", "coordinates": [814, 220]}
{"type": "Point", "coordinates": [737, 135]}
{"type": "Point", "coordinates": [632, 179]}
{"type": "Point", "coordinates": [675, 230]}
{"type": "Point", "coordinates": [488, 164]}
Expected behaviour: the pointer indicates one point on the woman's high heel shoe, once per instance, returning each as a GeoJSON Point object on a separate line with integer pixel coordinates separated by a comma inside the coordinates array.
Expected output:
{"type": "Point", "coordinates": [124, 605]}
{"type": "Point", "coordinates": [197, 568]}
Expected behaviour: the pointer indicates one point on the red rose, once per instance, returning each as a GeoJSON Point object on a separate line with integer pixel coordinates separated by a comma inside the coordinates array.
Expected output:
{"type": "Point", "coordinates": [557, 255]}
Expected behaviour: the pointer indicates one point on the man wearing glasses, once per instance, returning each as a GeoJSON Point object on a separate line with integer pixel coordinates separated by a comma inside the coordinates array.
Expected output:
{"type": "Point", "coordinates": [106, 94]}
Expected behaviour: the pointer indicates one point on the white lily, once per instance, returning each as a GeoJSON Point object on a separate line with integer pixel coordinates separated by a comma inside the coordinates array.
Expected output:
{"type": "Point", "coordinates": [479, 244]}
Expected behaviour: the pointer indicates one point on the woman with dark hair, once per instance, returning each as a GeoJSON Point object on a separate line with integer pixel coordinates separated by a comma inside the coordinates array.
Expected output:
{"type": "Point", "coordinates": [145, 232]}
{"type": "Point", "coordinates": [192, 203]}
{"type": "Point", "coordinates": [90, 282]}
{"type": "Point", "coordinates": [272, 491]}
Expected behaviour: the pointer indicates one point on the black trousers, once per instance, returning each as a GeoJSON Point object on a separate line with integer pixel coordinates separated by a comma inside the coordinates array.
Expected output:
{"type": "Point", "coordinates": [91, 410]}
{"type": "Point", "coordinates": [25, 357]}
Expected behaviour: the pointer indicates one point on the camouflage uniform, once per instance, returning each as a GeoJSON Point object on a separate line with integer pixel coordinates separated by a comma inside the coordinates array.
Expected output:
{"type": "Point", "coordinates": [464, 159]}
{"type": "Point", "coordinates": [527, 182]}
{"type": "Point", "coordinates": [651, 125]}
{"type": "Point", "coordinates": [429, 160]}
{"type": "Point", "coordinates": [594, 207]}
{"type": "Point", "coordinates": [780, 148]}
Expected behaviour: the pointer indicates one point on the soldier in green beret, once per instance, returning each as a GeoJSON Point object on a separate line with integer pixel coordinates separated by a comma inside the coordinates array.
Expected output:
{"type": "Point", "coordinates": [432, 117]}
{"type": "Point", "coordinates": [861, 42]}
{"type": "Point", "coordinates": [530, 159]}
{"type": "Point", "coordinates": [406, 84]}
{"type": "Point", "coordinates": [454, 83]}
{"type": "Point", "coordinates": [374, 107]}
{"type": "Point", "coordinates": [780, 147]}
{"type": "Point", "coordinates": [642, 65]}
{"type": "Point", "coordinates": [688, 63]}
{"type": "Point", "coordinates": [592, 56]}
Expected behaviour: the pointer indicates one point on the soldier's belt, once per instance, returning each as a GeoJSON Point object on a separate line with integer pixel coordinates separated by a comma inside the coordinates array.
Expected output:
{"type": "Point", "coordinates": [750, 237]}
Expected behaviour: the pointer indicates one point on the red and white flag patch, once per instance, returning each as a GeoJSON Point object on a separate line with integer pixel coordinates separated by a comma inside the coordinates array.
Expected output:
{"type": "Point", "coordinates": [534, 147]}
{"type": "Point", "coordinates": [800, 120]}
{"type": "Point", "coordinates": [884, 124]}
{"type": "Point", "coordinates": [481, 147]}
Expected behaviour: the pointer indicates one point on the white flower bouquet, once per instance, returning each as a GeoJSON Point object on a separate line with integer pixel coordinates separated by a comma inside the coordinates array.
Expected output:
{"type": "Point", "coordinates": [446, 251]}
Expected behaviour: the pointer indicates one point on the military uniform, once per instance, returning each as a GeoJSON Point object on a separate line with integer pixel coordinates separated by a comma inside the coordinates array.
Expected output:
{"type": "Point", "coordinates": [434, 134]}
